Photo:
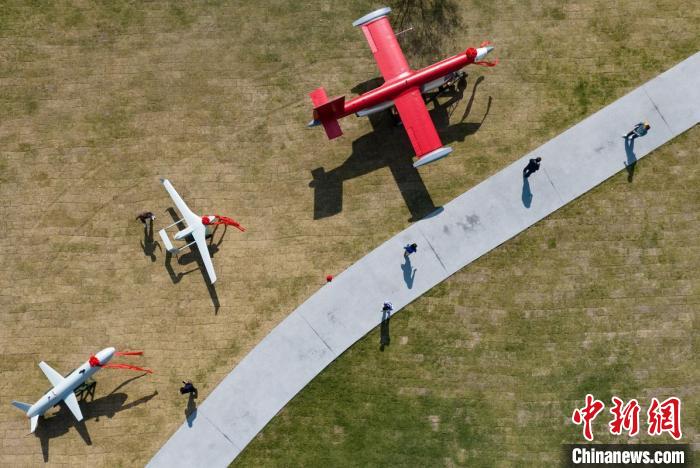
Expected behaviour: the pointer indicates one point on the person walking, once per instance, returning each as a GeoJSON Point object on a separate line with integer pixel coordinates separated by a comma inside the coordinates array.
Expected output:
{"type": "Point", "coordinates": [640, 129]}
{"type": "Point", "coordinates": [532, 166]}
{"type": "Point", "coordinates": [388, 307]}
{"type": "Point", "coordinates": [409, 249]}
{"type": "Point", "coordinates": [146, 216]}
{"type": "Point", "coordinates": [188, 387]}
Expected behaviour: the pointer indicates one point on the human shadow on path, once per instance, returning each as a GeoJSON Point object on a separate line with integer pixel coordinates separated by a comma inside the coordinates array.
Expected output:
{"type": "Point", "coordinates": [387, 145]}
{"type": "Point", "coordinates": [59, 423]}
{"type": "Point", "coordinates": [409, 273]}
{"type": "Point", "coordinates": [631, 161]}
{"type": "Point", "coordinates": [527, 194]}
{"type": "Point", "coordinates": [193, 256]}
{"type": "Point", "coordinates": [384, 337]}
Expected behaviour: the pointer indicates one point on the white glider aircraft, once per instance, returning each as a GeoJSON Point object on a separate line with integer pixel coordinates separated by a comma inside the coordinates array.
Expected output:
{"type": "Point", "coordinates": [64, 387]}
{"type": "Point", "coordinates": [196, 227]}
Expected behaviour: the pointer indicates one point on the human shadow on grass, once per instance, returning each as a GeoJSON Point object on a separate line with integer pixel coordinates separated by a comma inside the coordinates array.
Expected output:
{"type": "Point", "coordinates": [387, 145]}
{"type": "Point", "coordinates": [384, 337]}
{"type": "Point", "coordinates": [191, 410]}
{"type": "Point", "coordinates": [631, 161]}
{"type": "Point", "coordinates": [409, 273]}
{"type": "Point", "coordinates": [59, 423]}
{"type": "Point", "coordinates": [148, 244]}
{"type": "Point", "coordinates": [193, 256]}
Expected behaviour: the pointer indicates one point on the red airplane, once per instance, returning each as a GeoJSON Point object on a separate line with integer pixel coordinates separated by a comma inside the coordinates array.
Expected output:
{"type": "Point", "coordinates": [402, 88]}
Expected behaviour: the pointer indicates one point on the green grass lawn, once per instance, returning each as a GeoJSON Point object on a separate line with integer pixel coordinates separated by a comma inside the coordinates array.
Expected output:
{"type": "Point", "coordinates": [601, 297]}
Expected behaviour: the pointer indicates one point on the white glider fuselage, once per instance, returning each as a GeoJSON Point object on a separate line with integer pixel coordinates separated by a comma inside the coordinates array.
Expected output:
{"type": "Point", "coordinates": [195, 228]}
{"type": "Point", "coordinates": [68, 385]}
{"type": "Point", "coordinates": [188, 231]}
{"type": "Point", "coordinates": [192, 228]}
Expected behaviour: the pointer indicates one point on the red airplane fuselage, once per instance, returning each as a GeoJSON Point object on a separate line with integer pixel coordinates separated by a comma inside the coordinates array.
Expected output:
{"type": "Point", "coordinates": [403, 89]}
{"type": "Point", "coordinates": [401, 83]}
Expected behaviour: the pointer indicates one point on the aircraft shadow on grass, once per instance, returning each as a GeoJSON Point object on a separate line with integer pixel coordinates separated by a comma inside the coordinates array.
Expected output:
{"type": "Point", "coordinates": [59, 423]}
{"type": "Point", "coordinates": [193, 257]}
{"type": "Point", "coordinates": [387, 145]}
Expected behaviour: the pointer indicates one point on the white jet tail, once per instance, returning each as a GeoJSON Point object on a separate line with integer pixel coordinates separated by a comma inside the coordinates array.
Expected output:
{"type": "Point", "coordinates": [25, 407]}
{"type": "Point", "coordinates": [32, 423]}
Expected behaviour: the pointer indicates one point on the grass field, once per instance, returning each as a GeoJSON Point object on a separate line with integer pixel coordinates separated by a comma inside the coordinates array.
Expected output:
{"type": "Point", "coordinates": [486, 369]}
{"type": "Point", "coordinates": [99, 99]}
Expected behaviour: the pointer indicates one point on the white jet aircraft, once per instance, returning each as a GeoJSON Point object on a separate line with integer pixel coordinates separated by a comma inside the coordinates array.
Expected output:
{"type": "Point", "coordinates": [64, 387]}
{"type": "Point", "coordinates": [196, 227]}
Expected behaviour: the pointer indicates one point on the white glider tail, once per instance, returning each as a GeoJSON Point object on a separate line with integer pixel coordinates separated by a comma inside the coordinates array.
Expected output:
{"type": "Point", "coordinates": [195, 228]}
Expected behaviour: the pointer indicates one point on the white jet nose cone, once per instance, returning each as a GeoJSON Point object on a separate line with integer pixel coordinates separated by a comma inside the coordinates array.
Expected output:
{"type": "Point", "coordinates": [105, 355]}
{"type": "Point", "coordinates": [482, 51]}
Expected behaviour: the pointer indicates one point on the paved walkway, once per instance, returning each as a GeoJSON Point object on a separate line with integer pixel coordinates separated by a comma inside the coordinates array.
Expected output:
{"type": "Point", "coordinates": [341, 313]}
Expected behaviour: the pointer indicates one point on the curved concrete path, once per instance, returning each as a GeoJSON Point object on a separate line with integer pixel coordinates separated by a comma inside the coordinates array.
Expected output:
{"type": "Point", "coordinates": [341, 313]}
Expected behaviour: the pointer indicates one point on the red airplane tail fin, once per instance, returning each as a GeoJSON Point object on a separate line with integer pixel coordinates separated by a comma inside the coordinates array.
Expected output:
{"type": "Point", "coordinates": [325, 112]}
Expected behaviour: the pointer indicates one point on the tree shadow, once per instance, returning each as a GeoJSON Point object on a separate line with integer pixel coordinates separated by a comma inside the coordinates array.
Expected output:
{"type": "Point", "coordinates": [409, 273]}
{"type": "Point", "coordinates": [527, 194]}
{"type": "Point", "coordinates": [59, 423]}
{"type": "Point", "coordinates": [384, 337]}
{"type": "Point", "coordinates": [387, 145]}
{"type": "Point", "coordinates": [191, 410]}
{"type": "Point", "coordinates": [631, 161]}
{"type": "Point", "coordinates": [431, 23]}
{"type": "Point", "coordinates": [193, 256]}
{"type": "Point", "coordinates": [148, 244]}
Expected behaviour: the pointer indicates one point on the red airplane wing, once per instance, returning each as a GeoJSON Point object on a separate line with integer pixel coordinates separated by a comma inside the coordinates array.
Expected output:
{"type": "Point", "coordinates": [417, 122]}
{"type": "Point", "coordinates": [386, 49]}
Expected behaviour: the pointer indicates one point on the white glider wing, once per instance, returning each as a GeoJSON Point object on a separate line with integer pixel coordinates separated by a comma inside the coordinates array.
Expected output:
{"type": "Point", "coordinates": [200, 239]}
{"type": "Point", "coordinates": [72, 404]}
{"type": "Point", "coordinates": [190, 218]}
{"type": "Point", "coordinates": [54, 377]}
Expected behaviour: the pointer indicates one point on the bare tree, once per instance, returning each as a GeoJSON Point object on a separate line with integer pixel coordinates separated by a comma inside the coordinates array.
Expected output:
{"type": "Point", "coordinates": [432, 23]}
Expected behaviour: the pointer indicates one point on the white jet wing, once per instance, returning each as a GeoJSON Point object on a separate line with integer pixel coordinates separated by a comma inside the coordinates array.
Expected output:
{"type": "Point", "coordinates": [190, 218]}
{"type": "Point", "coordinates": [54, 377]}
{"type": "Point", "coordinates": [72, 403]}
{"type": "Point", "coordinates": [200, 239]}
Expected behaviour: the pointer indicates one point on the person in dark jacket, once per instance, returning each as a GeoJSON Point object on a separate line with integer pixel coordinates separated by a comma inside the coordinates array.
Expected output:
{"type": "Point", "coordinates": [532, 166]}
{"type": "Point", "coordinates": [188, 387]}
{"type": "Point", "coordinates": [409, 249]}
{"type": "Point", "coordinates": [640, 129]}
{"type": "Point", "coordinates": [146, 216]}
